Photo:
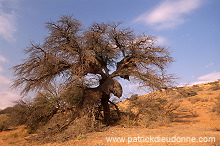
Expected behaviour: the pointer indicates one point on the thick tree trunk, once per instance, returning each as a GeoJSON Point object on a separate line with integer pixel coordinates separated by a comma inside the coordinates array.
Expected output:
{"type": "Point", "coordinates": [106, 87]}
{"type": "Point", "coordinates": [106, 108]}
{"type": "Point", "coordinates": [117, 109]}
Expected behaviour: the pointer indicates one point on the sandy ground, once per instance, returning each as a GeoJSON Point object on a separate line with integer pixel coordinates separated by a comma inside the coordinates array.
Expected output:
{"type": "Point", "coordinates": [201, 127]}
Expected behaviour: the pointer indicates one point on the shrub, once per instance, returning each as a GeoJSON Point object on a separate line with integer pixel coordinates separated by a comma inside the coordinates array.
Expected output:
{"type": "Point", "coordinates": [215, 87]}
{"type": "Point", "coordinates": [30, 113]}
{"type": "Point", "coordinates": [197, 88]}
{"type": "Point", "coordinates": [214, 122]}
{"type": "Point", "coordinates": [216, 107]}
{"type": "Point", "coordinates": [66, 125]}
{"type": "Point", "coordinates": [4, 124]}
{"type": "Point", "coordinates": [128, 119]}
{"type": "Point", "coordinates": [149, 112]}
{"type": "Point", "coordinates": [194, 99]}
{"type": "Point", "coordinates": [20, 113]}
{"type": "Point", "coordinates": [133, 97]}
{"type": "Point", "coordinates": [186, 92]}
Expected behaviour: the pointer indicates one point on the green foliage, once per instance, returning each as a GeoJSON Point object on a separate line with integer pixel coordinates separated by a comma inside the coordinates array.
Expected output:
{"type": "Point", "coordinates": [73, 96]}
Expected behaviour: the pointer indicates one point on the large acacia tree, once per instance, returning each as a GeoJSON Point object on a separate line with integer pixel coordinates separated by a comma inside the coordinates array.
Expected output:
{"type": "Point", "coordinates": [100, 53]}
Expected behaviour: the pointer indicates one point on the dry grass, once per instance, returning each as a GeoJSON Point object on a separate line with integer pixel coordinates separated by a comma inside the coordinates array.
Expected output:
{"type": "Point", "coordinates": [15, 136]}
{"type": "Point", "coordinates": [215, 124]}
{"type": "Point", "coordinates": [194, 99]}
{"type": "Point", "coordinates": [216, 107]}
{"type": "Point", "coordinates": [146, 115]}
{"type": "Point", "coordinates": [150, 111]}
{"type": "Point", "coordinates": [4, 122]}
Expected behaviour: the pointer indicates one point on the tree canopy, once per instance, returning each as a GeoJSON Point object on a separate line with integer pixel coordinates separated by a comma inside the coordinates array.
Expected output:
{"type": "Point", "coordinates": [94, 55]}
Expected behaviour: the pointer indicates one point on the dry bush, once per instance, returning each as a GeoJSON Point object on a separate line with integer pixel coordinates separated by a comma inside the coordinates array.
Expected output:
{"type": "Point", "coordinates": [188, 110]}
{"type": "Point", "coordinates": [65, 125]}
{"type": "Point", "coordinates": [128, 119]}
{"type": "Point", "coordinates": [216, 107]}
{"type": "Point", "coordinates": [20, 113]}
{"type": "Point", "coordinates": [4, 124]}
{"type": "Point", "coordinates": [193, 100]}
{"type": "Point", "coordinates": [197, 88]}
{"type": "Point", "coordinates": [186, 92]}
{"type": "Point", "coordinates": [180, 92]}
{"type": "Point", "coordinates": [214, 86]}
{"type": "Point", "coordinates": [149, 112]}
{"type": "Point", "coordinates": [56, 118]}
{"type": "Point", "coordinates": [133, 97]}
{"type": "Point", "coordinates": [36, 112]}
{"type": "Point", "coordinates": [13, 116]}
{"type": "Point", "coordinates": [33, 114]}
{"type": "Point", "coordinates": [214, 122]}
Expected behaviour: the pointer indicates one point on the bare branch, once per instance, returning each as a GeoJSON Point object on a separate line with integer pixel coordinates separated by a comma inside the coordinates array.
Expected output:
{"type": "Point", "coordinates": [106, 49]}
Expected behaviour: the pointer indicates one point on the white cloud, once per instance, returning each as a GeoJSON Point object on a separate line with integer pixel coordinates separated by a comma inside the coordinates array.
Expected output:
{"type": "Point", "coordinates": [1, 69]}
{"type": "Point", "coordinates": [209, 65]}
{"type": "Point", "coordinates": [2, 59]}
{"type": "Point", "coordinates": [169, 13]}
{"type": "Point", "coordinates": [210, 77]}
{"type": "Point", "coordinates": [207, 78]}
{"type": "Point", "coordinates": [7, 99]}
{"type": "Point", "coordinates": [7, 20]}
{"type": "Point", "coordinates": [161, 40]}
{"type": "Point", "coordinates": [7, 29]}
{"type": "Point", "coordinates": [7, 96]}
{"type": "Point", "coordinates": [4, 80]}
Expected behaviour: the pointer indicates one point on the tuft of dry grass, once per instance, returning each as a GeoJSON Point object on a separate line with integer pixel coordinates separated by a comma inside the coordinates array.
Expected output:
{"type": "Point", "coordinates": [194, 99]}
{"type": "Point", "coordinates": [216, 107]}
{"type": "Point", "coordinates": [214, 122]}
{"type": "Point", "coordinates": [16, 134]}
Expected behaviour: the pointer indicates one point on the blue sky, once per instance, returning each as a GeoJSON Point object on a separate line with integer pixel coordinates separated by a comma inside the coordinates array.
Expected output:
{"type": "Point", "coordinates": [190, 28]}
